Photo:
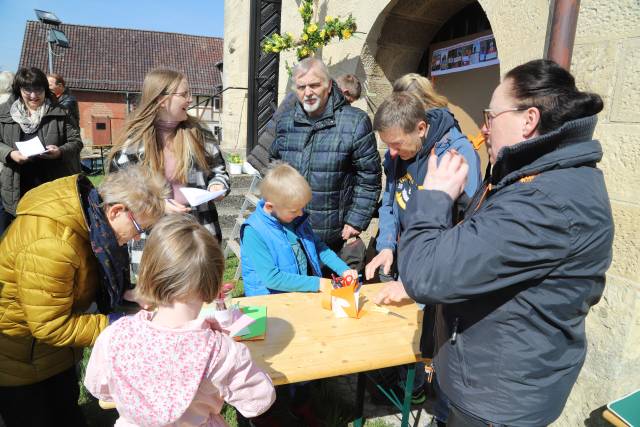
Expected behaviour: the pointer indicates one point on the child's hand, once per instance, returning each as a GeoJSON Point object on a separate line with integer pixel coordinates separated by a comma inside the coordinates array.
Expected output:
{"type": "Point", "coordinates": [325, 291]}
{"type": "Point", "coordinates": [351, 273]}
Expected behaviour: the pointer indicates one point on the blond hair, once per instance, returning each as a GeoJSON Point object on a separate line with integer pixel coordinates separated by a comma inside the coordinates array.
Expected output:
{"type": "Point", "coordinates": [402, 110]}
{"type": "Point", "coordinates": [181, 260]}
{"type": "Point", "coordinates": [140, 190]}
{"type": "Point", "coordinates": [422, 88]}
{"type": "Point", "coordinates": [284, 186]}
{"type": "Point", "coordinates": [188, 143]}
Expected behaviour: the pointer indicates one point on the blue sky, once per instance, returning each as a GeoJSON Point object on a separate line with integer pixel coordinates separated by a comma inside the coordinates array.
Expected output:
{"type": "Point", "coordinates": [198, 17]}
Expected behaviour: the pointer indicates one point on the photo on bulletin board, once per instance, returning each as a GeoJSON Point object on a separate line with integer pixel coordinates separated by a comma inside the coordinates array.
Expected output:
{"type": "Point", "coordinates": [466, 55]}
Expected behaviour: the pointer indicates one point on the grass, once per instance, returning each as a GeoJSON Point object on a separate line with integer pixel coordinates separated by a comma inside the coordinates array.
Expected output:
{"type": "Point", "coordinates": [328, 404]}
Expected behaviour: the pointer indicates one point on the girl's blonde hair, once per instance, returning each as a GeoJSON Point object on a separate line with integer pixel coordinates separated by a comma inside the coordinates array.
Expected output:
{"type": "Point", "coordinates": [284, 186]}
{"type": "Point", "coordinates": [188, 143]}
{"type": "Point", "coordinates": [181, 259]}
{"type": "Point", "coordinates": [140, 190]}
{"type": "Point", "coordinates": [422, 88]}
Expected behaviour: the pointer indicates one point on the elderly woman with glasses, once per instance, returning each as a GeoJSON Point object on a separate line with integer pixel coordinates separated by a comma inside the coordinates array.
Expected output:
{"type": "Point", "coordinates": [64, 252]}
{"type": "Point", "coordinates": [516, 279]}
{"type": "Point", "coordinates": [162, 137]}
{"type": "Point", "coordinates": [32, 112]}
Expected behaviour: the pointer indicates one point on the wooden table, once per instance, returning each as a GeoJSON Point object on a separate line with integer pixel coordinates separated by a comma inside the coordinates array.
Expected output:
{"type": "Point", "coordinates": [305, 342]}
{"type": "Point", "coordinates": [613, 418]}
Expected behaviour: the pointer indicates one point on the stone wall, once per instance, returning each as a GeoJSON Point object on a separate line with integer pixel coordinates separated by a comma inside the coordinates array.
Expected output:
{"type": "Point", "coordinates": [606, 60]}
{"type": "Point", "coordinates": [235, 75]}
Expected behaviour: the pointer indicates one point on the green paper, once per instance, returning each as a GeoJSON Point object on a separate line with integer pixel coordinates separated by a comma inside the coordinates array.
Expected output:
{"type": "Point", "coordinates": [259, 327]}
{"type": "Point", "coordinates": [627, 408]}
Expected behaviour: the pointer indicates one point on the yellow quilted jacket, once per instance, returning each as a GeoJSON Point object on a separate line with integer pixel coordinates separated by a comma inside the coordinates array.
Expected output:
{"type": "Point", "coordinates": [48, 279]}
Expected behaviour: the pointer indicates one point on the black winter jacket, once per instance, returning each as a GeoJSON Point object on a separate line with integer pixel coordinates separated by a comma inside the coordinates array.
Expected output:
{"type": "Point", "coordinates": [337, 155]}
{"type": "Point", "coordinates": [56, 128]}
{"type": "Point", "coordinates": [517, 278]}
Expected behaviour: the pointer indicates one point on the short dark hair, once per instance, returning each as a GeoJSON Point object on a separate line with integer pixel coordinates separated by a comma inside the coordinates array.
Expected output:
{"type": "Point", "coordinates": [552, 90]}
{"type": "Point", "coordinates": [31, 78]}
{"type": "Point", "coordinates": [58, 78]}
{"type": "Point", "coordinates": [400, 109]}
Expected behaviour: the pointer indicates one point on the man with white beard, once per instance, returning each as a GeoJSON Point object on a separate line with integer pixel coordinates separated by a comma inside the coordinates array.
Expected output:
{"type": "Point", "coordinates": [333, 146]}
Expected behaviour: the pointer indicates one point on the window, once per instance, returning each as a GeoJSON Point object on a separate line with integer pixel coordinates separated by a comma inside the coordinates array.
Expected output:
{"type": "Point", "coordinates": [101, 126]}
{"type": "Point", "coordinates": [217, 104]}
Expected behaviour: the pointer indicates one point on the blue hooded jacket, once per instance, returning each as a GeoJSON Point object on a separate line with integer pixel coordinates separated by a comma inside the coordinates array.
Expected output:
{"type": "Point", "coordinates": [405, 176]}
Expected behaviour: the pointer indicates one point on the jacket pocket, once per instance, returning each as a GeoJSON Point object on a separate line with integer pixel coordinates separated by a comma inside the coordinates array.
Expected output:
{"type": "Point", "coordinates": [459, 346]}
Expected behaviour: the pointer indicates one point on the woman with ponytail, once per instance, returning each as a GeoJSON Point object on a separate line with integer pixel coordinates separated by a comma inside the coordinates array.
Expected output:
{"type": "Point", "coordinates": [515, 280]}
{"type": "Point", "coordinates": [164, 138]}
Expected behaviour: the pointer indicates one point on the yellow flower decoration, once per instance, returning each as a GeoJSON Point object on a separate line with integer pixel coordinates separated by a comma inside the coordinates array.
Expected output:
{"type": "Point", "coordinates": [322, 34]}
{"type": "Point", "coordinates": [305, 37]}
{"type": "Point", "coordinates": [328, 19]}
{"type": "Point", "coordinates": [301, 9]}
{"type": "Point", "coordinates": [346, 34]}
{"type": "Point", "coordinates": [312, 28]}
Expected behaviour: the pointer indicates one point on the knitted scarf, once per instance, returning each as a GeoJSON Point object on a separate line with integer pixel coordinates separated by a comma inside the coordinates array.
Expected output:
{"type": "Point", "coordinates": [113, 259]}
{"type": "Point", "coordinates": [28, 121]}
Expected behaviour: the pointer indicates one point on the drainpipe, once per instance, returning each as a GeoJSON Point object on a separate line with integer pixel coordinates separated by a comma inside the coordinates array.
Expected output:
{"type": "Point", "coordinates": [561, 31]}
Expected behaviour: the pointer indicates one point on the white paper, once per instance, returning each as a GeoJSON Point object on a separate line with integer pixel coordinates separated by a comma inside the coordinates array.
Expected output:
{"type": "Point", "coordinates": [196, 196]}
{"type": "Point", "coordinates": [32, 147]}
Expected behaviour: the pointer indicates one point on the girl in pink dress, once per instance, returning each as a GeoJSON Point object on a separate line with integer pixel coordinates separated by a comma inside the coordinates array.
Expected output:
{"type": "Point", "coordinates": [167, 367]}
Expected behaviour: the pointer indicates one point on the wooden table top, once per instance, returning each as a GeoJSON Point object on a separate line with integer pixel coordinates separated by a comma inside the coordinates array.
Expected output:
{"type": "Point", "coordinates": [305, 342]}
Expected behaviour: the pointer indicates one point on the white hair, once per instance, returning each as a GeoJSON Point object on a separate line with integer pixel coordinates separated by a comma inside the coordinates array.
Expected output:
{"type": "Point", "coordinates": [6, 80]}
{"type": "Point", "coordinates": [307, 64]}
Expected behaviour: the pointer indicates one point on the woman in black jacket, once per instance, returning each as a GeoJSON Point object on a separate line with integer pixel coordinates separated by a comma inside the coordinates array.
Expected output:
{"type": "Point", "coordinates": [33, 112]}
{"type": "Point", "coordinates": [517, 278]}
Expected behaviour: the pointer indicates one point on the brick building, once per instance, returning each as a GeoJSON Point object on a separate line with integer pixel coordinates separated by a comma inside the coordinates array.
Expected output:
{"type": "Point", "coordinates": [104, 69]}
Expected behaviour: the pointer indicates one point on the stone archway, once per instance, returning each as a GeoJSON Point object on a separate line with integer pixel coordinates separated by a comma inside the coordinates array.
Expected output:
{"type": "Point", "coordinates": [399, 41]}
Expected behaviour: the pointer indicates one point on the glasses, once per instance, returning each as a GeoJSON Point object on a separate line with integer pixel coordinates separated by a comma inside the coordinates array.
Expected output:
{"type": "Point", "coordinates": [32, 90]}
{"type": "Point", "coordinates": [186, 94]}
{"type": "Point", "coordinates": [139, 229]}
{"type": "Point", "coordinates": [489, 115]}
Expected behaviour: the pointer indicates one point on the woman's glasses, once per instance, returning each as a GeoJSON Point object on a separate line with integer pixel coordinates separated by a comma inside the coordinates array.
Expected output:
{"type": "Point", "coordinates": [139, 229]}
{"type": "Point", "coordinates": [489, 114]}
{"type": "Point", "coordinates": [29, 90]}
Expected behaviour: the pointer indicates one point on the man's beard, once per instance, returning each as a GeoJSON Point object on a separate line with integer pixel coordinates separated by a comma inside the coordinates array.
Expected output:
{"type": "Point", "coordinates": [311, 108]}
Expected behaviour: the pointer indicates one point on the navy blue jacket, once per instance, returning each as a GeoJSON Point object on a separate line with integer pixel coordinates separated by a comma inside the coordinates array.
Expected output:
{"type": "Point", "coordinates": [516, 278]}
{"type": "Point", "coordinates": [337, 155]}
{"type": "Point", "coordinates": [405, 176]}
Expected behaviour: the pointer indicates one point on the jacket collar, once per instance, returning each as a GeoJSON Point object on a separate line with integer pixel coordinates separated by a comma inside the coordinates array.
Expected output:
{"type": "Point", "coordinates": [335, 101]}
{"type": "Point", "coordinates": [570, 145]}
{"type": "Point", "coordinates": [5, 114]}
{"type": "Point", "coordinates": [271, 220]}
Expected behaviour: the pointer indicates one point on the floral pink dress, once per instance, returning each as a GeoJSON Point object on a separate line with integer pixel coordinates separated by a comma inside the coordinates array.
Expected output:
{"type": "Point", "coordinates": [159, 376]}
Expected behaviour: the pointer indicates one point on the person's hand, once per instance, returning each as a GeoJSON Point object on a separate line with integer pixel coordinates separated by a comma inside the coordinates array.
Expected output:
{"type": "Point", "coordinates": [171, 206]}
{"type": "Point", "coordinates": [384, 259]}
{"type": "Point", "coordinates": [132, 295]}
{"type": "Point", "coordinates": [351, 273]}
{"type": "Point", "coordinates": [325, 285]}
{"type": "Point", "coordinates": [348, 232]}
{"type": "Point", "coordinates": [450, 176]}
{"type": "Point", "coordinates": [391, 292]}
{"type": "Point", "coordinates": [217, 187]}
{"type": "Point", "coordinates": [53, 152]}
{"type": "Point", "coordinates": [325, 293]}
{"type": "Point", "coordinates": [17, 157]}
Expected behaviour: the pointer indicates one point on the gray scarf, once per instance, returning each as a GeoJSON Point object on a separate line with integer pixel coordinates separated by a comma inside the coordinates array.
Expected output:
{"type": "Point", "coordinates": [28, 122]}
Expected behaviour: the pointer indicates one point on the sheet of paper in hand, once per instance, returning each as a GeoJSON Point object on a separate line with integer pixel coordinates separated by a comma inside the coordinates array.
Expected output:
{"type": "Point", "coordinates": [31, 147]}
{"type": "Point", "coordinates": [197, 196]}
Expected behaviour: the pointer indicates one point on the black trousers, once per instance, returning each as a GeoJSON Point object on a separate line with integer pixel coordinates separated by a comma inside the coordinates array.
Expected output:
{"type": "Point", "coordinates": [52, 402]}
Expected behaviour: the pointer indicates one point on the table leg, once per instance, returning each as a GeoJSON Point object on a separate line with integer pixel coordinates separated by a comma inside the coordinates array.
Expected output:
{"type": "Point", "coordinates": [408, 390]}
{"type": "Point", "coordinates": [359, 421]}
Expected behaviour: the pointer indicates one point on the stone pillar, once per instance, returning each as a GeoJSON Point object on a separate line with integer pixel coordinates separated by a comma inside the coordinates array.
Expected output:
{"type": "Point", "coordinates": [235, 75]}
{"type": "Point", "coordinates": [606, 60]}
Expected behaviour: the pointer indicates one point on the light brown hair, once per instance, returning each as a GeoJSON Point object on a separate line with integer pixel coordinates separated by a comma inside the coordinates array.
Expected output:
{"type": "Point", "coordinates": [188, 143]}
{"type": "Point", "coordinates": [422, 88]}
{"type": "Point", "coordinates": [400, 109]}
{"type": "Point", "coordinates": [180, 259]}
{"type": "Point", "coordinates": [350, 84]}
{"type": "Point", "coordinates": [284, 186]}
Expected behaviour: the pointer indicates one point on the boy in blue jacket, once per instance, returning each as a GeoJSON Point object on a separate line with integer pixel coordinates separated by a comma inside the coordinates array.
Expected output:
{"type": "Point", "coordinates": [280, 252]}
